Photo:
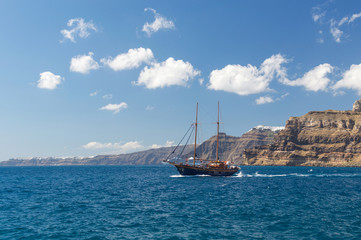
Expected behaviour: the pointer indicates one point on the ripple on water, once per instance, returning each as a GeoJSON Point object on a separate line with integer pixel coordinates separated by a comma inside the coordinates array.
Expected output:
{"type": "Point", "coordinates": [153, 202]}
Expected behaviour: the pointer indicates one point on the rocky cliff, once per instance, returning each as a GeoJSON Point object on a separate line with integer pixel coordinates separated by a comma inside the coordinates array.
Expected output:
{"type": "Point", "coordinates": [319, 138]}
{"type": "Point", "coordinates": [231, 148]}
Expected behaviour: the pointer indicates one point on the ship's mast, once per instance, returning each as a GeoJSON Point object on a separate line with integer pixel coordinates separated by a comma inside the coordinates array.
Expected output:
{"type": "Point", "coordinates": [195, 137]}
{"type": "Point", "coordinates": [217, 133]}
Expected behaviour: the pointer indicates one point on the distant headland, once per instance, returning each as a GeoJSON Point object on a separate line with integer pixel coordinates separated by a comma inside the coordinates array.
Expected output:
{"type": "Point", "coordinates": [231, 148]}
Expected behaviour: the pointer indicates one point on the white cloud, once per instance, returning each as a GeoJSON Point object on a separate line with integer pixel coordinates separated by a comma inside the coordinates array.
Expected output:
{"type": "Point", "coordinates": [201, 81]}
{"type": "Point", "coordinates": [93, 93]}
{"type": "Point", "coordinates": [354, 17]}
{"type": "Point", "coordinates": [120, 147]}
{"type": "Point", "coordinates": [149, 108]}
{"type": "Point", "coordinates": [284, 95]}
{"type": "Point", "coordinates": [80, 28]}
{"type": "Point", "coordinates": [317, 14]}
{"type": "Point", "coordinates": [115, 107]}
{"type": "Point", "coordinates": [160, 22]}
{"type": "Point", "coordinates": [245, 80]}
{"type": "Point", "coordinates": [314, 80]}
{"type": "Point", "coordinates": [317, 17]}
{"type": "Point", "coordinates": [108, 96]}
{"type": "Point", "coordinates": [263, 100]}
{"type": "Point", "coordinates": [124, 148]}
{"type": "Point", "coordinates": [335, 25]}
{"type": "Point", "coordinates": [168, 73]}
{"type": "Point", "coordinates": [342, 21]}
{"type": "Point", "coordinates": [83, 63]}
{"type": "Point", "coordinates": [351, 79]}
{"type": "Point", "coordinates": [132, 59]}
{"type": "Point", "coordinates": [48, 80]}
{"type": "Point", "coordinates": [320, 40]}
{"type": "Point", "coordinates": [335, 31]}
{"type": "Point", "coordinates": [167, 144]}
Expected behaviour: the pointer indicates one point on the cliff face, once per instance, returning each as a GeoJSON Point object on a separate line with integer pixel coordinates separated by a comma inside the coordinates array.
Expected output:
{"type": "Point", "coordinates": [231, 148]}
{"type": "Point", "coordinates": [319, 138]}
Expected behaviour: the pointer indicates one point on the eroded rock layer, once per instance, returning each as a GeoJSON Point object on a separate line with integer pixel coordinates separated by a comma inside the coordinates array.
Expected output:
{"type": "Point", "coordinates": [231, 148]}
{"type": "Point", "coordinates": [319, 138]}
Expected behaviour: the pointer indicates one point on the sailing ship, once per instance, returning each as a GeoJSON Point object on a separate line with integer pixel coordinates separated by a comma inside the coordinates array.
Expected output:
{"type": "Point", "coordinates": [198, 166]}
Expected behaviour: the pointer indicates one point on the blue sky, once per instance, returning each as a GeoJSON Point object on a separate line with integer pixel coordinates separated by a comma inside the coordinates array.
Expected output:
{"type": "Point", "coordinates": [82, 78]}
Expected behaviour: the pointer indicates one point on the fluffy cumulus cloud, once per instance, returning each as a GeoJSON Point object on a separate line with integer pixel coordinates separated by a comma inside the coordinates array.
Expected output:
{"type": "Point", "coordinates": [245, 80]}
{"type": "Point", "coordinates": [160, 22]}
{"type": "Point", "coordinates": [168, 73]}
{"type": "Point", "coordinates": [121, 147]}
{"type": "Point", "coordinates": [49, 80]}
{"type": "Point", "coordinates": [351, 79]}
{"type": "Point", "coordinates": [83, 63]}
{"type": "Point", "coordinates": [78, 28]}
{"type": "Point", "coordinates": [115, 108]}
{"type": "Point", "coordinates": [132, 59]}
{"type": "Point", "coordinates": [264, 100]}
{"type": "Point", "coordinates": [314, 80]}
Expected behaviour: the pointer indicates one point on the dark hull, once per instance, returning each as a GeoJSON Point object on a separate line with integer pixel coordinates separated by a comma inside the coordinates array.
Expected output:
{"type": "Point", "coordinates": [190, 170]}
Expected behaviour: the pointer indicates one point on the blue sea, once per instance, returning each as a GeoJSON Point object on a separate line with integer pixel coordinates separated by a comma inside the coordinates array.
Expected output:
{"type": "Point", "coordinates": [155, 202]}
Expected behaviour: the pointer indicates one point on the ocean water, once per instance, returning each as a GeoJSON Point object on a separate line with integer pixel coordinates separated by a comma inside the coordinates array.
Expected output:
{"type": "Point", "coordinates": [155, 202]}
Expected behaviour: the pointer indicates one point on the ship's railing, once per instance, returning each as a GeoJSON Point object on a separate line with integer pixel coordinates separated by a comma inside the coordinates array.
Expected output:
{"type": "Point", "coordinates": [201, 162]}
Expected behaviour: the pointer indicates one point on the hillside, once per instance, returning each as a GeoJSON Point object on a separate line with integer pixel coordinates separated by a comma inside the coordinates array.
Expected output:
{"type": "Point", "coordinates": [319, 138]}
{"type": "Point", "coordinates": [230, 148]}
{"type": "Point", "coordinates": [148, 157]}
